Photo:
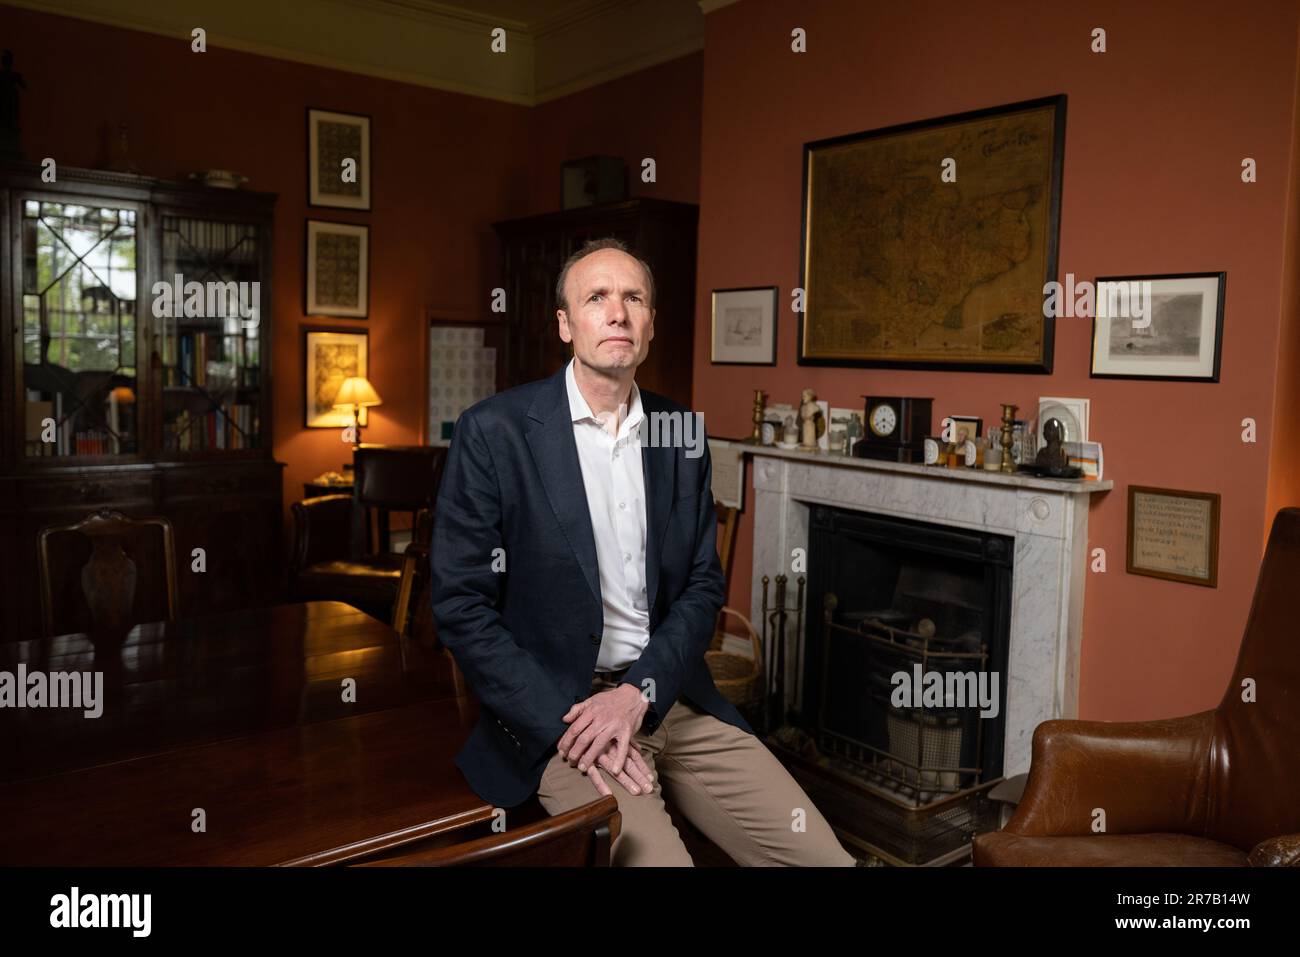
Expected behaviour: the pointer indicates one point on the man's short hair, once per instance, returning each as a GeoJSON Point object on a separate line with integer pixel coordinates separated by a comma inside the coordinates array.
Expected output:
{"type": "Point", "coordinates": [594, 246]}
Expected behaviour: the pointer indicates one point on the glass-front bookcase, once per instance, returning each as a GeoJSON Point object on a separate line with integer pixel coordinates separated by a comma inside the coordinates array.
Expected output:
{"type": "Point", "coordinates": [80, 287]}
{"type": "Point", "coordinates": [210, 335]}
{"type": "Point", "coordinates": [135, 375]}
{"type": "Point", "coordinates": [143, 320]}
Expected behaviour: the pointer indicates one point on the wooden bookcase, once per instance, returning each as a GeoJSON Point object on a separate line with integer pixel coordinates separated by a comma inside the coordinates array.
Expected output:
{"type": "Point", "coordinates": [116, 392]}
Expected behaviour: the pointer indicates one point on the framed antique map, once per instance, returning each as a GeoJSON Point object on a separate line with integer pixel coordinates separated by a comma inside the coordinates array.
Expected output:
{"type": "Point", "coordinates": [1173, 535]}
{"type": "Point", "coordinates": [927, 245]}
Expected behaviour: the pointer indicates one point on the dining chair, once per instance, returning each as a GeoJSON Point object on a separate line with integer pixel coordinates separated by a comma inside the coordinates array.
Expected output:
{"type": "Point", "coordinates": [106, 573]}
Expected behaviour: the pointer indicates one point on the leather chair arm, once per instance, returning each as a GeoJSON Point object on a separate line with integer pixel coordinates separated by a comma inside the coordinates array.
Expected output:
{"type": "Point", "coordinates": [322, 530]}
{"type": "Point", "coordinates": [1148, 776]}
{"type": "Point", "coordinates": [1280, 851]}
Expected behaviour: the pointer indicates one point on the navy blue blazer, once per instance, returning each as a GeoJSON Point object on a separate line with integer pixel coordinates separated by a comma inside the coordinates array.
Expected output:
{"type": "Point", "coordinates": [527, 637]}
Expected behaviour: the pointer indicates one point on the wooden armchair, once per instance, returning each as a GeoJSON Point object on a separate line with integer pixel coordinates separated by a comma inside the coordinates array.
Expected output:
{"type": "Point", "coordinates": [105, 574]}
{"type": "Point", "coordinates": [335, 556]}
{"type": "Point", "coordinates": [582, 837]}
{"type": "Point", "coordinates": [739, 677]}
{"type": "Point", "coordinates": [413, 609]}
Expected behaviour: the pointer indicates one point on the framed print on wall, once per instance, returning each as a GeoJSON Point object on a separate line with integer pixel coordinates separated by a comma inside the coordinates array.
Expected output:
{"type": "Point", "coordinates": [1182, 338]}
{"type": "Point", "coordinates": [1174, 535]}
{"type": "Point", "coordinates": [338, 159]}
{"type": "Point", "coordinates": [329, 357]}
{"type": "Point", "coordinates": [338, 270]}
{"type": "Point", "coordinates": [744, 326]}
{"type": "Point", "coordinates": [928, 245]}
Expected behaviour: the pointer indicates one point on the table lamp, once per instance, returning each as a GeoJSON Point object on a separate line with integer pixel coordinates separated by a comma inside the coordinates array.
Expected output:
{"type": "Point", "coordinates": [356, 393]}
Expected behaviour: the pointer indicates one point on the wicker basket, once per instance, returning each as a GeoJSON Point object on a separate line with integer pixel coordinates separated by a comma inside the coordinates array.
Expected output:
{"type": "Point", "coordinates": [738, 677]}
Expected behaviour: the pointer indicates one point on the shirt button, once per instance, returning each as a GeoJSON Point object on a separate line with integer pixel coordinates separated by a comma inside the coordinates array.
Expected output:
{"type": "Point", "coordinates": [627, 556]}
{"type": "Point", "coordinates": [622, 506]}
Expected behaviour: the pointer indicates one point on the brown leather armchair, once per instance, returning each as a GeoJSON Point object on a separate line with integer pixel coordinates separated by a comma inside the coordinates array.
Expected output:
{"type": "Point", "coordinates": [1219, 788]}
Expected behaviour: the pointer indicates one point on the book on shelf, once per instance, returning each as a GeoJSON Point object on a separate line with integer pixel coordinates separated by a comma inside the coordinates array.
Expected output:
{"type": "Point", "coordinates": [231, 427]}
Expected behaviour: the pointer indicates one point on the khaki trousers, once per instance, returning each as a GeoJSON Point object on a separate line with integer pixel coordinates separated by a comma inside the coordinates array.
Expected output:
{"type": "Point", "coordinates": [723, 780]}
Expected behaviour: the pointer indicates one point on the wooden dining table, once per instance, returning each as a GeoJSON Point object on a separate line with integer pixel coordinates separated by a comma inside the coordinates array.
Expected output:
{"type": "Point", "coordinates": [303, 734]}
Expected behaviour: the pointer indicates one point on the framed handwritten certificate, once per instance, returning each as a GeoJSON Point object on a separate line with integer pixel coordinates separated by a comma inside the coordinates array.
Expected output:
{"type": "Point", "coordinates": [1173, 535]}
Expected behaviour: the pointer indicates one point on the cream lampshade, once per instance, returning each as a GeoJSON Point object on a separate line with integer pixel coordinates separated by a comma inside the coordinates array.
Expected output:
{"type": "Point", "coordinates": [355, 394]}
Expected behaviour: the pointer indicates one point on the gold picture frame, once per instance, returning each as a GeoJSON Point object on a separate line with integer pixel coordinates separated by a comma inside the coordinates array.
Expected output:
{"type": "Point", "coordinates": [928, 245]}
{"type": "Point", "coordinates": [329, 357]}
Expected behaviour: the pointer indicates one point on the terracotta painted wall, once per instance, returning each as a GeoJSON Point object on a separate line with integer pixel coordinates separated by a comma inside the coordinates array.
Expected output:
{"type": "Point", "coordinates": [1284, 462]}
{"type": "Point", "coordinates": [446, 166]}
{"type": "Point", "coordinates": [654, 112]}
{"type": "Point", "coordinates": [1156, 131]}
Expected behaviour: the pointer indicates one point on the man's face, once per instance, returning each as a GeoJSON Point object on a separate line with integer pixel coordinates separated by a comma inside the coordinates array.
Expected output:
{"type": "Point", "coordinates": [609, 319]}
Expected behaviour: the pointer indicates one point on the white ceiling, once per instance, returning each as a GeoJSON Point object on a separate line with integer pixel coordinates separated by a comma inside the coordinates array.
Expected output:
{"type": "Point", "coordinates": [553, 47]}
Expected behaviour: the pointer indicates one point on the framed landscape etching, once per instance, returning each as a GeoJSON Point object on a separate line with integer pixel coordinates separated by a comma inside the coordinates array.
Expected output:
{"type": "Point", "coordinates": [928, 245]}
{"type": "Point", "coordinates": [744, 326]}
{"type": "Point", "coordinates": [1181, 338]}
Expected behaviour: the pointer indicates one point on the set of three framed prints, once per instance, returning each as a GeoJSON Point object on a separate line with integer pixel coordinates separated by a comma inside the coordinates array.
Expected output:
{"type": "Point", "coordinates": [336, 263]}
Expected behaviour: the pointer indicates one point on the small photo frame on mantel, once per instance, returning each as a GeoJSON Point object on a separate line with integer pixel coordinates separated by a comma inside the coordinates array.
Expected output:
{"type": "Point", "coordinates": [1182, 338]}
{"type": "Point", "coordinates": [329, 357]}
{"type": "Point", "coordinates": [744, 326]}
{"type": "Point", "coordinates": [1174, 535]}
{"type": "Point", "coordinates": [337, 279]}
{"type": "Point", "coordinates": [338, 159]}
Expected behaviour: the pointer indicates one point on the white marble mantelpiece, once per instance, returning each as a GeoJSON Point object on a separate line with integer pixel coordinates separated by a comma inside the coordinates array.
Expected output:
{"type": "Point", "coordinates": [1047, 518]}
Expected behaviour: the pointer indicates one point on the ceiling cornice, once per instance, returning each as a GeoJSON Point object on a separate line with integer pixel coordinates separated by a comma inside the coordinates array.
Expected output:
{"type": "Point", "coordinates": [565, 49]}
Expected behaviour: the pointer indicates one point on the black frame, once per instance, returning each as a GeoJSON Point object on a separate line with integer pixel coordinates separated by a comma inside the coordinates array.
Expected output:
{"type": "Point", "coordinates": [1043, 367]}
{"type": "Point", "coordinates": [306, 258]}
{"type": "Point", "coordinates": [713, 319]}
{"type": "Point", "coordinates": [306, 338]}
{"type": "Point", "coordinates": [1218, 328]}
{"type": "Point", "coordinates": [370, 154]}
{"type": "Point", "coordinates": [977, 419]}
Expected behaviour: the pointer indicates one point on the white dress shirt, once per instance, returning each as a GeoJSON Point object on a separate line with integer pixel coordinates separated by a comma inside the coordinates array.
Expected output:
{"type": "Point", "coordinates": [615, 484]}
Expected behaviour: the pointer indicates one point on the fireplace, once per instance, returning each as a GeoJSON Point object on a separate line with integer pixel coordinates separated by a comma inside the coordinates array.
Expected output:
{"type": "Point", "coordinates": [903, 674]}
{"type": "Point", "coordinates": [945, 575]}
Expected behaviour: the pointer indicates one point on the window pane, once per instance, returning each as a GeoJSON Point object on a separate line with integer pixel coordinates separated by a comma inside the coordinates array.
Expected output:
{"type": "Point", "coordinates": [79, 350]}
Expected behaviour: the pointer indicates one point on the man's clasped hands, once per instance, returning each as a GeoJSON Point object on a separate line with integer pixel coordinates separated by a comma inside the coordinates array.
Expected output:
{"type": "Point", "coordinates": [600, 735]}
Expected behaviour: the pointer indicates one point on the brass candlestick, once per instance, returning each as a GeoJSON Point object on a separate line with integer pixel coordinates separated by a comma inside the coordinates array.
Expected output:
{"type": "Point", "coordinates": [760, 405]}
{"type": "Point", "coordinates": [1008, 428]}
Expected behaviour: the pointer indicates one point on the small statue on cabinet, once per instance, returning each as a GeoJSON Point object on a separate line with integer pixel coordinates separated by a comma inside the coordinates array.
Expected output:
{"type": "Point", "coordinates": [812, 422]}
{"type": "Point", "coordinates": [1052, 456]}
